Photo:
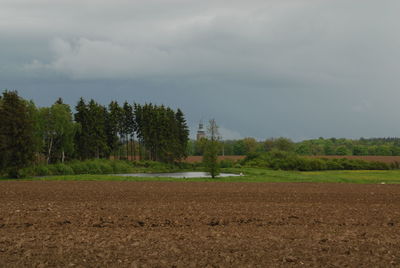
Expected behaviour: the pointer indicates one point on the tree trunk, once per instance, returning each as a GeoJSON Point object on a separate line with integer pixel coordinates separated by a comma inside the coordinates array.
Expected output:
{"type": "Point", "coordinates": [49, 151]}
{"type": "Point", "coordinates": [134, 148]}
{"type": "Point", "coordinates": [140, 151]}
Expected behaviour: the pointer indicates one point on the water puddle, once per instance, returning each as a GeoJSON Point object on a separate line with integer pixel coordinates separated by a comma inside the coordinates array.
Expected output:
{"type": "Point", "coordinates": [181, 175]}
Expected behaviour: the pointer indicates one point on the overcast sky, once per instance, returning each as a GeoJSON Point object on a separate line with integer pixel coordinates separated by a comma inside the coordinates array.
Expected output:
{"type": "Point", "coordinates": [295, 68]}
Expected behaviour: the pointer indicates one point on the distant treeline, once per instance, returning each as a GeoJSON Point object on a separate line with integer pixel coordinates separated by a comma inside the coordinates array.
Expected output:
{"type": "Point", "coordinates": [280, 160]}
{"type": "Point", "coordinates": [55, 134]}
{"type": "Point", "coordinates": [321, 146]}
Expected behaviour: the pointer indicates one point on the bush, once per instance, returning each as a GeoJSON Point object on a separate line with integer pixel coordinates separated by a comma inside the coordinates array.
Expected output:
{"type": "Point", "coordinates": [280, 160]}
{"type": "Point", "coordinates": [41, 170]}
{"type": "Point", "coordinates": [79, 167]}
{"type": "Point", "coordinates": [226, 163]}
{"type": "Point", "coordinates": [120, 167]}
{"type": "Point", "coordinates": [96, 166]}
{"type": "Point", "coordinates": [153, 166]}
{"type": "Point", "coordinates": [62, 169]}
{"type": "Point", "coordinates": [26, 172]}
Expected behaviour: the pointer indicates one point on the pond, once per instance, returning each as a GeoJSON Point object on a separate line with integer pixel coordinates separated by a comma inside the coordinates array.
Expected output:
{"type": "Point", "coordinates": [181, 175]}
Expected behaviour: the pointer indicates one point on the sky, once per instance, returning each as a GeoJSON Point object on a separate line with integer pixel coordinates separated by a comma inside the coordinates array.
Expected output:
{"type": "Point", "coordinates": [294, 68]}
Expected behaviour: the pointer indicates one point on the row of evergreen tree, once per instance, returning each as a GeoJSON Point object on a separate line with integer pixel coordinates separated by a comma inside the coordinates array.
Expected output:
{"type": "Point", "coordinates": [56, 134]}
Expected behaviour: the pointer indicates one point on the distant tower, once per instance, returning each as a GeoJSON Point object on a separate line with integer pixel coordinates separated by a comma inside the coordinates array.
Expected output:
{"type": "Point", "coordinates": [201, 132]}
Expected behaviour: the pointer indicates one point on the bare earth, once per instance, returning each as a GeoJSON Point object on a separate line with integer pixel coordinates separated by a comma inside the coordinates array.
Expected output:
{"type": "Point", "coordinates": [166, 224]}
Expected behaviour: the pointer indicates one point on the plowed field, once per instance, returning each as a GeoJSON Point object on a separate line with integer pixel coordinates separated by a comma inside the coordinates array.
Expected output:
{"type": "Point", "coordinates": [167, 224]}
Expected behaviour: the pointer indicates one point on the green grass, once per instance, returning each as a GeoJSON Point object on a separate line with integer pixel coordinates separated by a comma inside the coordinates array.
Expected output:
{"type": "Point", "coordinates": [348, 176]}
{"type": "Point", "coordinates": [260, 175]}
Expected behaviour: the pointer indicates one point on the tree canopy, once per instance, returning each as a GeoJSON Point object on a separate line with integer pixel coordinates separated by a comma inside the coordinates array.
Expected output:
{"type": "Point", "coordinates": [56, 134]}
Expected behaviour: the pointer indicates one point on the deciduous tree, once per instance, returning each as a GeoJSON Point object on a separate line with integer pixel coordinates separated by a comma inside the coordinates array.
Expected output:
{"type": "Point", "coordinates": [211, 150]}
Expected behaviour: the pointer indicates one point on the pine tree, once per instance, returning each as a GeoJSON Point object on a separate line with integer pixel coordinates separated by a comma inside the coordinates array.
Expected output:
{"type": "Point", "coordinates": [112, 126]}
{"type": "Point", "coordinates": [17, 146]}
{"type": "Point", "coordinates": [82, 136]}
{"type": "Point", "coordinates": [182, 135]}
{"type": "Point", "coordinates": [138, 127]}
{"type": "Point", "coordinates": [128, 126]}
{"type": "Point", "coordinates": [96, 128]}
{"type": "Point", "coordinates": [162, 131]}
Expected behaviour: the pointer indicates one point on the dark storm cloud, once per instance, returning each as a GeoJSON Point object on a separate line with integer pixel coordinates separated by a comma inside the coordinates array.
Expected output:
{"type": "Point", "coordinates": [301, 69]}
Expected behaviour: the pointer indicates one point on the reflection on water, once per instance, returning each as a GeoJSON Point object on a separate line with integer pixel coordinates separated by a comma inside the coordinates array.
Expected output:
{"type": "Point", "coordinates": [178, 175]}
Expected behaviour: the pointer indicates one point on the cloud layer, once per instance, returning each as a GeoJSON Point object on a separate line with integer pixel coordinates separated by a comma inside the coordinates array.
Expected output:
{"type": "Point", "coordinates": [342, 56]}
{"type": "Point", "coordinates": [311, 41]}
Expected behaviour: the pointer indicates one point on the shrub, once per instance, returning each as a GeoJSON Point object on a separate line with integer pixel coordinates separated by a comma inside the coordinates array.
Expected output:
{"type": "Point", "coordinates": [120, 167]}
{"type": "Point", "coordinates": [41, 170]}
{"type": "Point", "coordinates": [79, 167]}
{"type": "Point", "coordinates": [226, 163]}
{"type": "Point", "coordinates": [62, 169]}
{"type": "Point", "coordinates": [291, 161]}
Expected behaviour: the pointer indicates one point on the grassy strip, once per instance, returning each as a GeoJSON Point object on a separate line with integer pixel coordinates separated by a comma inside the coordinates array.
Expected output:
{"type": "Point", "coordinates": [99, 166]}
{"type": "Point", "coordinates": [258, 175]}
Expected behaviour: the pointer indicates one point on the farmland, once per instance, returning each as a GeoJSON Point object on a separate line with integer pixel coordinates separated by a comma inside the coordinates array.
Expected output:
{"type": "Point", "coordinates": [259, 175]}
{"type": "Point", "coordinates": [164, 224]}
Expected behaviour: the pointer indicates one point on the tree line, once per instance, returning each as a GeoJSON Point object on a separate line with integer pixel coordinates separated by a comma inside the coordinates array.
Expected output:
{"type": "Point", "coordinates": [332, 146]}
{"type": "Point", "coordinates": [31, 134]}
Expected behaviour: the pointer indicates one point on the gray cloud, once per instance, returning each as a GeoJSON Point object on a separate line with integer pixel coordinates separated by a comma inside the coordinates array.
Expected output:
{"type": "Point", "coordinates": [303, 68]}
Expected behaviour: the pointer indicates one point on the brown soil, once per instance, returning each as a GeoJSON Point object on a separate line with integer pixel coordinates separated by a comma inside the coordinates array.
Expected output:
{"type": "Point", "coordinates": [166, 224]}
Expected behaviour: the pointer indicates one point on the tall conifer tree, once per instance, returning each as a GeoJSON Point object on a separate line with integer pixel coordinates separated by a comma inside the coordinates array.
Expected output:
{"type": "Point", "coordinates": [182, 135]}
{"type": "Point", "coordinates": [128, 126]}
{"type": "Point", "coordinates": [113, 126]}
{"type": "Point", "coordinates": [17, 146]}
{"type": "Point", "coordinates": [82, 136]}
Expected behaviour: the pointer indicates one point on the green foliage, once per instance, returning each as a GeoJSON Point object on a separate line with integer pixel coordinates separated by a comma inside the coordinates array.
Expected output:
{"type": "Point", "coordinates": [320, 146]}
{"type": "Point", "coordinates": [182, 135]}
{"type": "Point", "coordinates": [374, 146]}
{"type": "Point", "coordinates": [120, 167]}
{"type": "Point", "coordinates": [102, 166]}
{"type": "Point", "coordinates": [127, 127]}
{"type": "Point", "coordinates": [62, 169]}
{"type": "Point", "coordinates": [280, 160]}
{"type": "Point", "coordinates": [162, 132]}
{"type": "Point", "coordinates": [91, 137]}
{"type": "Point", "coordinates": [113, 121]}
{"type": "Point", "coordinates": [198, 146]}
{"type": "Point", "coordinates": [210, 158]}
{"type": "Point", "coordinates": [50, 135]}
{"type": "Point", "coordinates": [281, 144]}
{"type": "Point", "coordinates": [226, 163]}
{"type": "Point", "coordinates": [211, 150]}
{"type": "Point", "coordinates": [342, 150]}
{"type": "Point", "coordinates": [17, 134]}
{"type": "Point", "coordinates": [80, 167]}
{"type": "Point", "coordinates": [56, 130]}
{"type": "Point", "coordinates": [94, 166]}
